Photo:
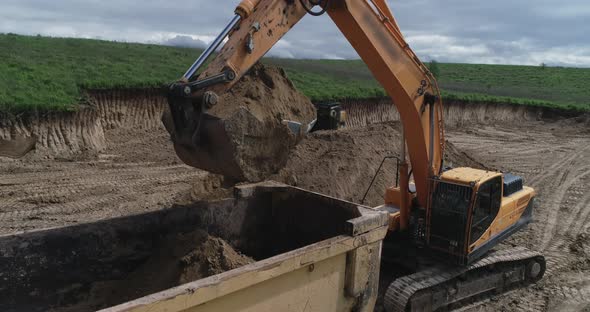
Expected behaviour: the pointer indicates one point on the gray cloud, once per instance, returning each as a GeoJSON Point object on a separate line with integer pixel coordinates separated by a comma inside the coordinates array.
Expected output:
{"type": "Point", "coordinates": [185, 42]}
{"type": "Point", "coordinates": [502, 31]}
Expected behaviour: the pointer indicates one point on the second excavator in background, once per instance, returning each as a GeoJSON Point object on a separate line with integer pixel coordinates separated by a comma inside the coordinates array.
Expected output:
{"type": "Point", "coordinates": [444, 223]}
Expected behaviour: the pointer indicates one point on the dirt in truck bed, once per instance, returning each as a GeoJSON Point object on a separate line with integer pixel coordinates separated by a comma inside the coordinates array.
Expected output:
{"type": "Point", "coordinates": [178, 259]}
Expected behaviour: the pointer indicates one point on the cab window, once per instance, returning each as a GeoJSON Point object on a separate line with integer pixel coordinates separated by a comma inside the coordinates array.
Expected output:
{"type": "Point", "coordinates": [486, 208]}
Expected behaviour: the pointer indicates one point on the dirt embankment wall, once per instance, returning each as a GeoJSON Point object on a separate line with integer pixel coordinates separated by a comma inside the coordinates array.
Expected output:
{"type": "Point", "coordinates": [57, 133]}
{"type": "Point", "coordinates": [61, 134]}
{"type": "Point", "coordinates": [131, 108]}
{"type": "Point", "coordinates": [456, 113]}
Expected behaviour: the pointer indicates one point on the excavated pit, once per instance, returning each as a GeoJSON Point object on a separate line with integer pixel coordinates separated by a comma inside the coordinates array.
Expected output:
{"type": "Point", "coordinates": [257, 144]}
{"type": "Point", "coordinates": [114, 160]}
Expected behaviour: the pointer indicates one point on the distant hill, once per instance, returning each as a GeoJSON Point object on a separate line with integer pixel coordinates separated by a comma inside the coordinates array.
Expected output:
{"type": "Point", "coordinates": [49, 74]}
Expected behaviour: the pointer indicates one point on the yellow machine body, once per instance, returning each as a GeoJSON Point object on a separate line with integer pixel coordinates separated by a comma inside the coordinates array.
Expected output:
{"type": "Point", "coordinates": [477, 209]}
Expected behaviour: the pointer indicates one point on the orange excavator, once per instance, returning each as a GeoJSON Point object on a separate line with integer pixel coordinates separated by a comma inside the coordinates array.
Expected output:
{"type": "Point", "coordinates": [445, 224]}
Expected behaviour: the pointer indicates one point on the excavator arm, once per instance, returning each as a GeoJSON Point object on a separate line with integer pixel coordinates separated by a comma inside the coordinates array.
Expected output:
{"type": "Point", "coordinates": [371, 29]}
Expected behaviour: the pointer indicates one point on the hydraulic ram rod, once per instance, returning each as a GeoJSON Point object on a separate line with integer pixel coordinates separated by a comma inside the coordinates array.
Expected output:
{"type": "Point", "coordinates": [212, 47]}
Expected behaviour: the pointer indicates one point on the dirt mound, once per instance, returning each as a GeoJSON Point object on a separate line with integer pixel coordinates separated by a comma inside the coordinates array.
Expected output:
{"type": "Point", "coordinates": [180, 258]}
{"type": "Point", "coordinates": [343, 163]}
{"type": "Point", "coordinates": [456, 157]}
{"type": "Point", "coordinates": [268, 94]}
{"type": "Point", "coordinates": [17, 147]}
{"type": "Point", "coordinates": [584, 121]}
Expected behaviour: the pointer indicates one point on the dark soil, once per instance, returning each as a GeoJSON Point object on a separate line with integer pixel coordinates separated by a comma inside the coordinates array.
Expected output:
{"type": "Point", "coordinates": [179, 259]}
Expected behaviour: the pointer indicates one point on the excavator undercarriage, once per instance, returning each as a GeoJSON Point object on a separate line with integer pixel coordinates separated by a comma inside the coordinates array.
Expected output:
{"type": "Point", "coordinates": [437, 286]}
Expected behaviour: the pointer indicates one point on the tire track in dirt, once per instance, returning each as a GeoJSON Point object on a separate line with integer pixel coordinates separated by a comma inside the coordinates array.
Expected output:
{"type": "Point", "coordinates": [582, 223]}
{"type": "Point", "coordinates": [557, 201]}
{"type": "Point", "coordinates": [572, 293]}
{"type": "Point", "coordinates": [556, 164]}
{"type": "Point", "coordinates": [574, 225]}
{"type": "Point", "coordinates": [49, 190]}
{"type": "Point", "coordinates": [556, 261]}
{"type": "Point", "coordinates": [126, 185]}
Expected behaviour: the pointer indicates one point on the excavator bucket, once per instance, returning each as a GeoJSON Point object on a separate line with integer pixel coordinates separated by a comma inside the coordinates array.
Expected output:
{"type": "Point", "coordinates": [211, 148]}
{"type": "Point", "coordinates": [247, 133]}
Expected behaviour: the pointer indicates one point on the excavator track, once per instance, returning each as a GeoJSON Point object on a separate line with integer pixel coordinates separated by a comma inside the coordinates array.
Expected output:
{"type": "Point", "coordinates": [444, 286]}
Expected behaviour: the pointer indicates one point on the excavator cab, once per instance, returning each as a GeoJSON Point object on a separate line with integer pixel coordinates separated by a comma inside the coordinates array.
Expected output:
{"type": "Point", "coordinates": [472, 210]}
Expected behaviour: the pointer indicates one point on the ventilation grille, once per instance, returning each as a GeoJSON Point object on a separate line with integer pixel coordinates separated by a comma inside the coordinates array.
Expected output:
{"type": "Point", "coordinates": [512, 184]}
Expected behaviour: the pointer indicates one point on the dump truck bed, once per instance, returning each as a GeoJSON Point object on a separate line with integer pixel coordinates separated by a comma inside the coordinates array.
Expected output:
{"type": "Point", "coordinates": [311, 252]}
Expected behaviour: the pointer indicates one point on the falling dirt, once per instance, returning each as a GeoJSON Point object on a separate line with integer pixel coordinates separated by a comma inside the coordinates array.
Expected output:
{"type": "Point", "coordinates": [179, 259]}
{"type": "Point", "coordinates": [254, 114]}
{"type": "Point", "coordinates": [267, 93]}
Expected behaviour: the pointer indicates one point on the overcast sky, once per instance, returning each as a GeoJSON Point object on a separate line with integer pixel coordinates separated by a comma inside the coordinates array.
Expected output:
{"type": "Point", "coordinates": [529, 32]}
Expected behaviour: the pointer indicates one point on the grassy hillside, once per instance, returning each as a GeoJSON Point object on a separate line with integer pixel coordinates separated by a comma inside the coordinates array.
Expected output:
{"type": "Point", "coordinates": [49, 74]}
{"type": "Point", "coordinates": [39, 72]}
{"type": "Point", "coordinates": [567, 88]}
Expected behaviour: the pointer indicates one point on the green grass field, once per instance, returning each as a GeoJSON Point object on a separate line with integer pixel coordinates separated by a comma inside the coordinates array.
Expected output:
{"type": "Point", "coordinates": [50, 73]}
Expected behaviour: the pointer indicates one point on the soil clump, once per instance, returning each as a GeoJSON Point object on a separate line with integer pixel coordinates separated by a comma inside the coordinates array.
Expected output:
{"type": "Point", "coordinates": [244, 136]}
